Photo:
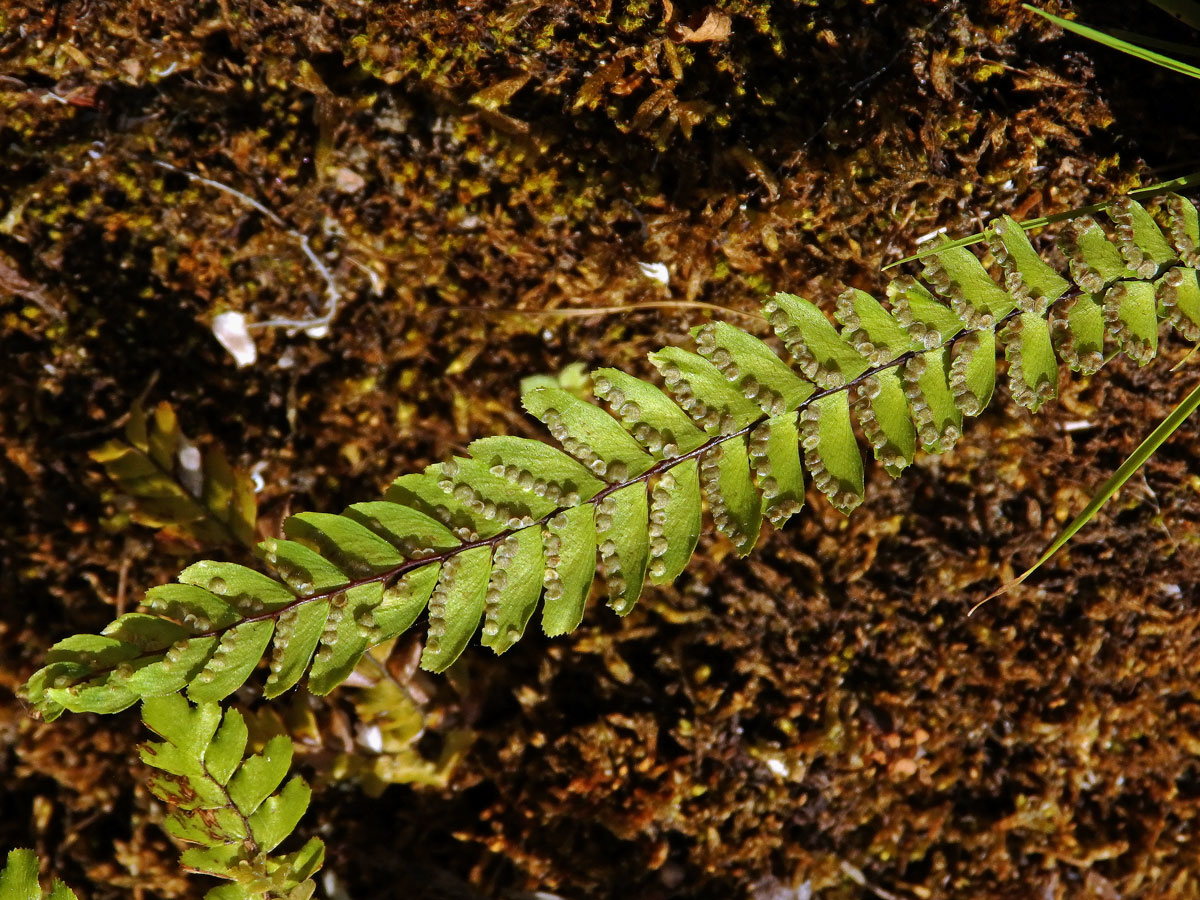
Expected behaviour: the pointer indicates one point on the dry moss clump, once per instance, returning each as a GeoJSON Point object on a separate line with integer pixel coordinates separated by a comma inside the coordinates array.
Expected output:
{"type": "Point", "coordinates": [474, 179]}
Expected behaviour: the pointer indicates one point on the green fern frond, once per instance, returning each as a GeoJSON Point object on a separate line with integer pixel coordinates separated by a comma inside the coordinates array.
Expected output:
{"type": "Point", "coordinates": [19, 880]}
{"type": "Point", "coordinates": [226, 805]}
{"type": "Point", "coordinates": [177, 487]}
{"type": "Point", "coordinates": [482, 539]}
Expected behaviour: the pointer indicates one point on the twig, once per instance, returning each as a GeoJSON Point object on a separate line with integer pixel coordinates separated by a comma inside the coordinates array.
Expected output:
{"type": "Point", "coordinates": [123, 582]}
{"type": "Point", "coordinates": [855, 874]}
{"type": "Point", "coordinates": [585, 311]}
{"type": "Point", "coordinates": [314, 327]}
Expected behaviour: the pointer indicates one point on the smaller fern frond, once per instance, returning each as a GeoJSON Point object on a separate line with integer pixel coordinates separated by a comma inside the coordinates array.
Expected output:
{"type": "Point", "coordinates": [228, 806]}
{"type": "Point", "coordinates": [477, 543]}
{"type": "Point", "coordinates": [19, 880]}
{"type": "Point", "coordinates": [176, 486]}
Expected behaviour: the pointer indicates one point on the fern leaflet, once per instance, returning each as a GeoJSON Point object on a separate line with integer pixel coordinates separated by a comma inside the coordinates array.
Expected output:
{"type": "Point", "coordinates": [175, 486]}
{"type": "Point", "coordinates": [19, 880]}
{"type": "Point", "coordinates": [226, 805]}
{"type": "Point", "coordinates": [481, 539]}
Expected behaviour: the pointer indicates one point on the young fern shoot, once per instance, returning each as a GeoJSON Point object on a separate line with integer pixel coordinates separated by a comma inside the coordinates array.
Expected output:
{"type": "Point", "coordinates": [483, 539]}
{"type": "Point", "coordinates": [227, 806]}
{"type": "Point", "coordinates": [174, 486]}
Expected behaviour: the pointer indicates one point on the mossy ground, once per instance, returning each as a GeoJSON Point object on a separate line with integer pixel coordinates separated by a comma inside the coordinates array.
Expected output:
{"type": "Point", "coordinates": [821, 714]}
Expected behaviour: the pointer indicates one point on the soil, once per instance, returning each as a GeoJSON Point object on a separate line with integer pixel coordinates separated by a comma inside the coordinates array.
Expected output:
{"type": "Point", "coordinates": [481, 183]}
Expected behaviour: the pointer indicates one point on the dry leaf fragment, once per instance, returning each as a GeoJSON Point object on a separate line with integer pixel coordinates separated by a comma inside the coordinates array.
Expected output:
{"type": "Point", "coordinates": [715, 27]}
{"type": "Point", "coordinates": [593, 87]}
{"type": "Point", "coordinates": [491, 99]}
{"type": "Point", "coordinates": [494, 97]}
{"type": "Point", "coordinates": [940, 75]}
{"type": "Point", "coordinates": [13, 282]}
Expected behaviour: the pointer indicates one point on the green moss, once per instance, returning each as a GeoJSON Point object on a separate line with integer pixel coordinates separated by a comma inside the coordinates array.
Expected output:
{"type": "Point", "coordinates": [829, 648]}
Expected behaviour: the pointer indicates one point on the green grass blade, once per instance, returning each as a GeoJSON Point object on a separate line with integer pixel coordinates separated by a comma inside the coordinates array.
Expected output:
{"type": "Point", "coordinates": [1171, 47]}
{"type": "Point", "coordinates": [1116, 43]}
{"type": "Point", "coordinates": [1136, 460]}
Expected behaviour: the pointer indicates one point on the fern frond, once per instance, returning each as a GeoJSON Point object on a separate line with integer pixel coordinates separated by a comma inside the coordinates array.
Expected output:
{"type": "Point", "coordinates": [481, 539]}
{"type": "Point", "coordinates": [227, 805]}
{"type": "Point", "coordinates": [175, 486]}
{"type": "Point", "coordinates": [19, 880]}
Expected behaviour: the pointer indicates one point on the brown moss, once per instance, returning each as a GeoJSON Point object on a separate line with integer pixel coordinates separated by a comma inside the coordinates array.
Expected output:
{"type": "Point", "coordinates": [825, 704]}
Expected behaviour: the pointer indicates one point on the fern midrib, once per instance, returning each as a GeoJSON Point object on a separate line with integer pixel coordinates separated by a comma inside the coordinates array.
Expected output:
{"type": "Point", "coordinates": [663, 465]}
{"type": "Point", "coordinates": [229, 804]}
{"type": "Point", "coordinates": [197, 502]}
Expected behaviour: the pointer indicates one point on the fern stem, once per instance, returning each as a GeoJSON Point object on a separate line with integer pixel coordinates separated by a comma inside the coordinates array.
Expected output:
{"type": "Point", "coordinates": [664, 465]}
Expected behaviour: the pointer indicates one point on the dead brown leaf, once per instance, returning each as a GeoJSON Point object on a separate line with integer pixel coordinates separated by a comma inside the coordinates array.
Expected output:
{"type": "Point", "coordinates": [716, 27]}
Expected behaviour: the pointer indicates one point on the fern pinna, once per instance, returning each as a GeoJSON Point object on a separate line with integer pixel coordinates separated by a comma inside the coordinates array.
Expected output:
{"type": "Point", "coordinates": [224, 803]}
{"type": "Point", "coordinates": [19, 880]}
{"type": "Point", "coordinates": [484, 538]}
{"type": "Point", "coordinates": [227, 805]}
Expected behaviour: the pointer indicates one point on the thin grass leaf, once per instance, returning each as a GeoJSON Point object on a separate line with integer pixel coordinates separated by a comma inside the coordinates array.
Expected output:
{"type": "Point", "coordinates": [1168, 47]}
{"type": "Point", "coordinates": [1136, 460]}
{"type": "Point", "coordinates": [1116, 43]}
